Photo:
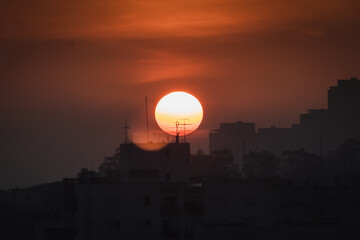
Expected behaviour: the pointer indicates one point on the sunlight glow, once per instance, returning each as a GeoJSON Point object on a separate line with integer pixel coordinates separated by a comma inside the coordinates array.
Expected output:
{"type": "Point", "coordinates": [179, 109]}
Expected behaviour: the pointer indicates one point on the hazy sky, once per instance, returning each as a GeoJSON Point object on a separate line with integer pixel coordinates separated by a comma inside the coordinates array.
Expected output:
{"type": "Point", "coordinates": [72, 71]}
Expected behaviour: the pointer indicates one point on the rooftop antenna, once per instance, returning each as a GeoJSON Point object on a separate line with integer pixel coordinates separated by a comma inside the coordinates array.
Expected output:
{"type": "Point", "coordinates": [147, 119]}
{"type": "Point", "coordinates": [126, 127]}
{"type": "Point", "coordinates": [244, 144]}
{"type": "Point", "coordinates": [177, 131]}
{"type": "Point", "coordinates": [184, 124]}
{"type": "Point", "coordinates": [91, 164]}
{"type": "Point", "coordinates": [321, 158]}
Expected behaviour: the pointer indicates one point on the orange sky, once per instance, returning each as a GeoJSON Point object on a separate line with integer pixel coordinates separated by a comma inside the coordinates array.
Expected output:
{"type": "Point", "coordinates": [73, 71]}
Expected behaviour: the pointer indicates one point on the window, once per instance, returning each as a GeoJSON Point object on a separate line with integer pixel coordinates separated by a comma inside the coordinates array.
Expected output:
{"type": "Point", "coordinates": [193, 208]}
{"type": "Point", "coordinates": [115, 224]}
{"type": "Point", "coordinates": [169, 206]}
{"type": "Point", "coordinates": [249, 200]}
{"type": "Point", "coordinates": [169, 201]}
{"type": "Point", "coordinates": [144, 174]}
{"type": "Point", "coordinates": [219, 200]}
{"type": "Point", "coordinates": [144, 201]}
{"type": "Point", "coordinates": [144, 224]}
{"type": "Point", "coordinates": [115, 198]}
{"type": "Point", "coordinates": [250, 222]}
{"type": "Point", "coordinates": [170, 228]}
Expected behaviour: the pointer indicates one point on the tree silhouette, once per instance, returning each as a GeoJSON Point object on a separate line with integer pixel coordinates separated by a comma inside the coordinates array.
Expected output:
{"type": "Point", "coordinates": [301, 164]}
{"type": "Point", "coordinates": [262, 165]}
{"type": "Point", "coordinates": [219, 164]}
{"type": "Point", "coordinates": [110, 163]}
{"type": "Point", "coordinates": [348, 154]}
{"type": "Point", "coordinates": [201, 164]}
{"type": "Point", "coordinates": [223, 160]}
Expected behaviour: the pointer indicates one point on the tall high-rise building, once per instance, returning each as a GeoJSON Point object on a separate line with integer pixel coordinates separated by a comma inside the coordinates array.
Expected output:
{"type": "Point", "coordinates": [344, 111]}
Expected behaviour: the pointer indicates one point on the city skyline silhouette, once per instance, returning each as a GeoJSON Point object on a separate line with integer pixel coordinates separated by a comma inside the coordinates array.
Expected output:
{"type": "Point", "coordinates": [72, 72]}
{"type": "Point", "coordinates": [276, 155]}
{"type": "Point", "coordinates": [253, 184]}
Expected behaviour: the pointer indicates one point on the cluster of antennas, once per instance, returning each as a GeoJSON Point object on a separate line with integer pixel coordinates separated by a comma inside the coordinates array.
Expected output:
{"type": "Point", "coordinates": [181, 122]}
{"type": "Point", "coordinates": [126, 133]}
{"type": "Point", "coordinates": [180, 127]}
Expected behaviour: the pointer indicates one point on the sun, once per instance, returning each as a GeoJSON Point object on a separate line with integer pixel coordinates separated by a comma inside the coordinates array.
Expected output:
{"type": "Point", "coordinates": [179, 113]}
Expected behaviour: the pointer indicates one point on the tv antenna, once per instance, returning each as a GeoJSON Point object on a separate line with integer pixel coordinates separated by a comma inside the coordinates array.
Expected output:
{"type": "Point", "coordinates": [147, 119]}
{"type": "Point", "coordinates": [184, 125]}
{"type": "Point", "coordinates": [126, 128]}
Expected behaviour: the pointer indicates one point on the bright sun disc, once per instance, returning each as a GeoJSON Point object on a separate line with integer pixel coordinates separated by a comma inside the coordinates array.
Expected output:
{"type": "Point", "coordinates": [178, 110]}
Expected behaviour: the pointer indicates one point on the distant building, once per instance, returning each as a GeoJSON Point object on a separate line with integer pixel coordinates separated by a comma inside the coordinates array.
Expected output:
{"type": "Point", "coordinates": [238, 137]}
{"type": "Point", "coordinates": [344, 111]}
{"type": "Point", "coordinates": [320, 131]}
{"type": "Point", "coordinates": [274, 139]}
{"type": "Point", "coordinates": [313, 131]}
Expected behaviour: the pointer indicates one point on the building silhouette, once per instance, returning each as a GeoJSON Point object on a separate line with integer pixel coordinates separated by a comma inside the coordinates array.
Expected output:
{"type": "Point", "coordinates": [344, 111]}
{"type": "Point", "coordinates": [142, 194]}
{"type": "Point", "coordinates": [150, 194]}
{"type": "Point", "coordinates": [319, 131]}
{"type": "Point", "coordinates": [239, 137]}
{"type": "Point", "coordinates": [146, 197]}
